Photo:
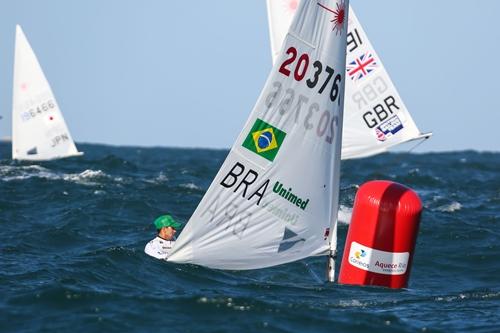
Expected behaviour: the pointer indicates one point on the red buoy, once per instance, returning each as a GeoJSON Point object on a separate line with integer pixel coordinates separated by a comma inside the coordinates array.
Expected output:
{"type": "Point", "coordinates": [382, 234]}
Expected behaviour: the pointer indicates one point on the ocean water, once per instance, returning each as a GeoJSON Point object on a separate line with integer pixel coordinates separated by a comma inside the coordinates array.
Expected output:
{"type": "Point", "coordinates": [73, 232]}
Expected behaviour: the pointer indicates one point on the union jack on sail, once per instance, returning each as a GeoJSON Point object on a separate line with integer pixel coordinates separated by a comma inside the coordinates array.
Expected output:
{"type": "Point", "coordinates": [362, 66]}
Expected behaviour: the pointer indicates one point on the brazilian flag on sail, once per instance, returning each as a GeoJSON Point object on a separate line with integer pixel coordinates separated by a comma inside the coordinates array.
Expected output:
{"type": "Point", "coordinates": [265, 140]}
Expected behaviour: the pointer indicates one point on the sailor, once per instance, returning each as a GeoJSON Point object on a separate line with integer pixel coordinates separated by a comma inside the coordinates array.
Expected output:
{"type": "Point", "coordinates": [161, 246]}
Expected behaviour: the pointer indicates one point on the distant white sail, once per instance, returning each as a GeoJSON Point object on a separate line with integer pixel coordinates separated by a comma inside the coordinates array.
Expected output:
{"type": "Point", "coordinates": [38, 128]}
{"type": "Point", "coordinates": [375, 117]}
{"type": "Point", "coordinates": [275, 198]}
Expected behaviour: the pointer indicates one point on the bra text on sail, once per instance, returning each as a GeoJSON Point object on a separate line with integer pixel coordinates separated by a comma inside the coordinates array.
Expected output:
{"type": "Point", "coordinates": [250, 177]}
{"type": "Point", "coordinates": [246, 183]}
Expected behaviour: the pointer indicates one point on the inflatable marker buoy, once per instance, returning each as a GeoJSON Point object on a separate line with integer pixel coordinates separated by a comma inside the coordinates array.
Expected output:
{"type": "Point", "coordinates": [382, 235]}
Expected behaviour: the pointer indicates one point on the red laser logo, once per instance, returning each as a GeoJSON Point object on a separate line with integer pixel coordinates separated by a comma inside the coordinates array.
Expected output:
{"type": "Point", "coordinates": [338, 16]}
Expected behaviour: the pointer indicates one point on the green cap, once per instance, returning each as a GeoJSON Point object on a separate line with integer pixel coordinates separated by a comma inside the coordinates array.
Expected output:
{"type": "Point", "coordinates": [166, 221]}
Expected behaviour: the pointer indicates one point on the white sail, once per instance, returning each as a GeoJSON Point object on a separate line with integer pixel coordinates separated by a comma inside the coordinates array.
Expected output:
{"type": "Point", "coordinates": [375, 116]}
{"type": "Point", "coordinates": [271, 201]}
{"type": "Point", "coordinates": [38, 128]}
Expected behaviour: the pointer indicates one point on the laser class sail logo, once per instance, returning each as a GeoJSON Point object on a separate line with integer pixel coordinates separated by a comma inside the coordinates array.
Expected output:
{"type": "Point", "coordinates": [264, 139]}
{"type": "Point", "coordinates": [338, 16]}
{"type": "Point", "coordinates": [290, 6]}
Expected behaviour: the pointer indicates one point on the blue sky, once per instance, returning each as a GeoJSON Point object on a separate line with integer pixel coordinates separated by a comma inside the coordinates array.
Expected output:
{"type": "Point", "coordinates": [187, 73]}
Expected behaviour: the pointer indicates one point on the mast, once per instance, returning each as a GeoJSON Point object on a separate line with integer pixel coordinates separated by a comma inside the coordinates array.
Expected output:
{"type": "Point", "coordinates": [335, 183]}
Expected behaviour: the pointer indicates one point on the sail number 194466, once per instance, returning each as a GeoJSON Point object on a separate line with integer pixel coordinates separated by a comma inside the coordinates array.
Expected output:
{"type": "Point", "coordinates": [38, 110]}
{"type": "Point", "coordinates": [299, 64]}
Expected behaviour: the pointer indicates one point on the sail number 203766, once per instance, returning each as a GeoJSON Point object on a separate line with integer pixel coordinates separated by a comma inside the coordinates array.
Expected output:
{"type": "Point", "coordinates": [301, 65]}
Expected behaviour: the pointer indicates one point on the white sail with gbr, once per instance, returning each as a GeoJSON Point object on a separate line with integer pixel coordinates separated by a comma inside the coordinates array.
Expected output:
{"type": "Point", "coordinates": [375, 116]}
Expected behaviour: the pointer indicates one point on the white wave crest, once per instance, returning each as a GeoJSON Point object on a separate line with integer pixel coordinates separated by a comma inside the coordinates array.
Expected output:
{"type": "Point", "coordinates": [87, 177]}
{"type": "Point", "coordinates": [16, 173]}
{"type": "Point", "coordinates": [5, 170]}
{"type": "Point", "coordinates": [450, 208]}
{"type": "Point", "coordinates": [468, 295]}
{"type": "Point", "coordinates": [354, 303]}
{"type": "Point", "coordinates": [228, 302]}
{"type": "Point", "coordinates": [12, 173]}
{"type": "Point", "coordinates": [414, 171]}
{"type": "Point", "coordinates": [344, 214]}
{"type": "Point", "coordinates": [160, 179]}
{"type": "Point", "coordinates": [190, 186]}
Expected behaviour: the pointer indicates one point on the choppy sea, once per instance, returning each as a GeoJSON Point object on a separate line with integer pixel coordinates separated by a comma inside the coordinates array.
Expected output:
{"type": "Point", "coordinates": [73, 232]}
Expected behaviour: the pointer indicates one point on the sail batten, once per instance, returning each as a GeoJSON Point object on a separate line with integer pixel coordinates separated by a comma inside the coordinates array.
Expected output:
{"type": "Point", "coordinates": [39, 131]}
{"type": "Point", "coordinates": [271, 201]}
